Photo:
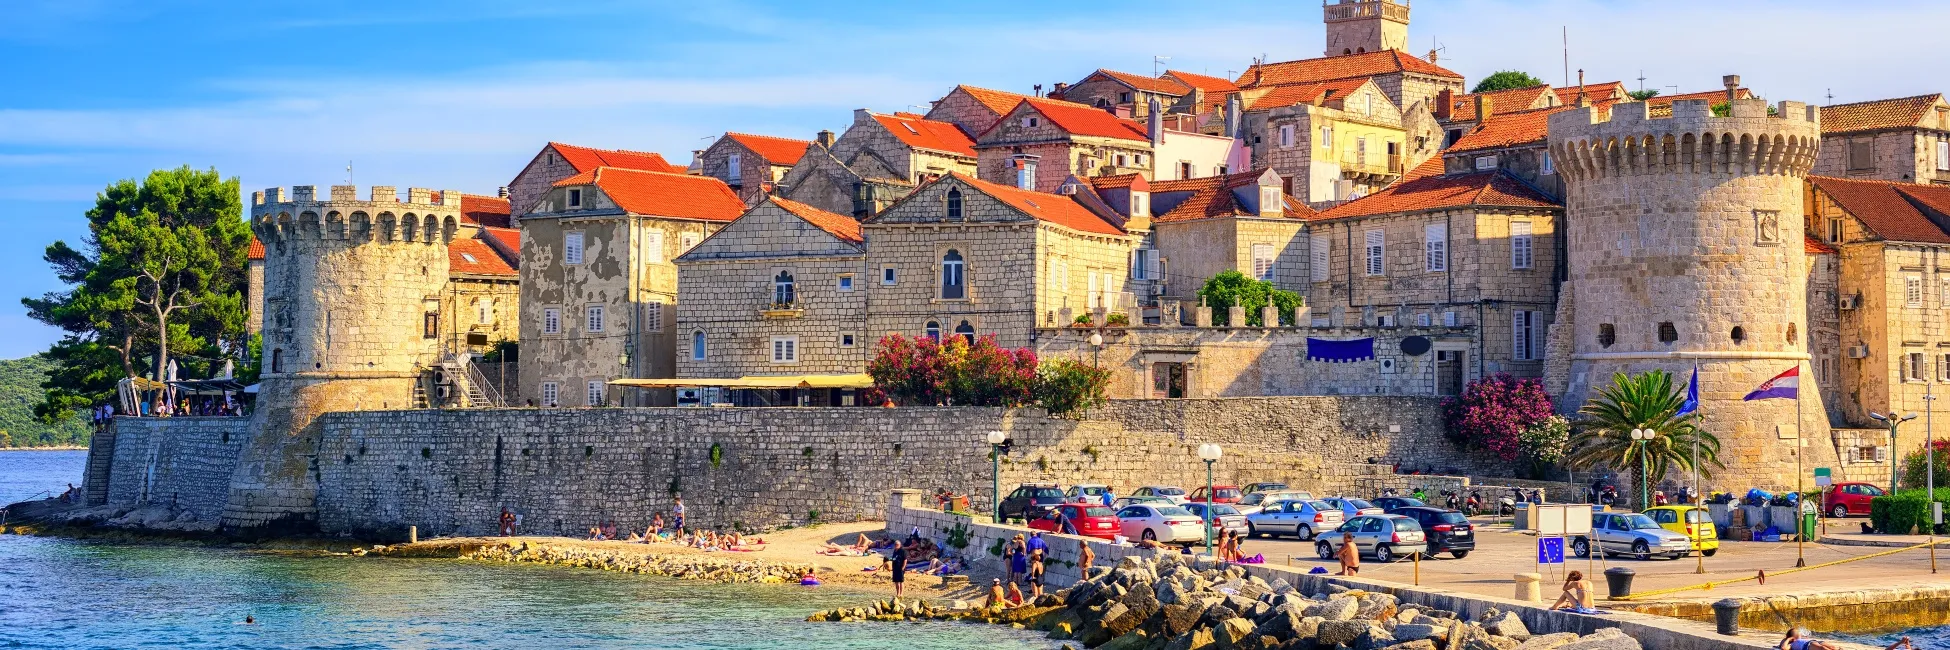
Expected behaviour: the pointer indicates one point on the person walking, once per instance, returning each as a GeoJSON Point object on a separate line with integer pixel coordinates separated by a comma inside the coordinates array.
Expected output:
{"type": "Point", "coordinates": [1085, 558]}
{"type": "Point", "coordinates": [900, 569]}
{"type": "Point", "coordinates": [1349, 555]}
{"type": "Point", "coordinates": [677, 515]}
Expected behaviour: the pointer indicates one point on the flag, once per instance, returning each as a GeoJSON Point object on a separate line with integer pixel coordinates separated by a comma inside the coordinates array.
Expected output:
{"type": "Point", "coordinates": [1786, 385]}
{"type": "Point", "coordinates": [1692, 395]}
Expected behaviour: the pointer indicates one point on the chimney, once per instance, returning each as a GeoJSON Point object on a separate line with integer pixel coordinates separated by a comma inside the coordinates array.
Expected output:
{"type": "Point", "coordinates": [825, 138]}
{"type": "Point", "coordinates": [1056, 91]}
{"type": "Point", "coordinates": [503, 192]}
{"type": "Point", "coordinates": [1154, 123]}
{"type": "Point", "coordinates": [1258, 74]}
{"type": "Point", "coordinates": [1584, 95]}
{"type": "Point", "coordinates": [1233, 128]}
{"type": "Point", "coordinates": [1733, 87]}
{"type": "Point", "coordinates": [1484, 108]}
{"type": "Point", "coordinates": [1445, 104]}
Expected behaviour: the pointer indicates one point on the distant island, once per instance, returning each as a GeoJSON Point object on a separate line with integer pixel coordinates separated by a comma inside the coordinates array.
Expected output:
{"type": "Point", "coordinates": [20, 389]}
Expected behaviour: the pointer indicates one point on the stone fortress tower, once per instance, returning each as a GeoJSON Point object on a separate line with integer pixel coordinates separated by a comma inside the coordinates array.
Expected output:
{"type": "Point", "coordinates": [1361, 26]}
{"type": "Point", "coordinates": [350, 287]}
{"type": "Point", "coordinates": [1684, 248]}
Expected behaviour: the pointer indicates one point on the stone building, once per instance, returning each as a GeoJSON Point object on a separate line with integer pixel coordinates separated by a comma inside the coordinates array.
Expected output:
{"type": "Point", "coordinates": [973, 109]}
{"type": "Point", "coordinates": [1206, 226]}
{"type": "Point", "coordinates": [1458, 114]}
{"type": "Point", "coordinates": [1040, 143]}
{"type": "Point", "coordinates": [1904, 140]}
{"type": "Point", "coordinates": [1362, 26]}
{"type": "Point", "coordinates": [597, 280]}
{"type": "Point", "coordinates": [878, 160]}
{"type": "Point", "coordinates": [1334, 141]}
{"type": "Point", "coordinates": [557, 161]}
{"type": "Point", "coordinates": [752, 164]}
{"type": "Point", "coordinates": [1129, 95]}
{"type": "Point", "coordinates": [1406, 79]}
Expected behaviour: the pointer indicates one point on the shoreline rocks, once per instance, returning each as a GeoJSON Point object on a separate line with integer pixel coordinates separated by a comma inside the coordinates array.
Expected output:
{"type": "Point", "coordinates": [684, 566]}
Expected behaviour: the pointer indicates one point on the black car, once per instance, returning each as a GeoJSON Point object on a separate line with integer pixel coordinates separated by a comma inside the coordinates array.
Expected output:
{"type": "Point", "coordinates": [1447, 530]}
{"type": "Point", "coordinates": [1031, 500]}
{"type": "Point", "coordinates": [1391, 504]}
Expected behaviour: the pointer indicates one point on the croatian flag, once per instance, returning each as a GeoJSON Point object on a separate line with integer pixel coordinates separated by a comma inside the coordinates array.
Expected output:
{"type": "Point", "coordinates": [1786, 385]}
{"type": "Point", "coordinates": [1692, 395]}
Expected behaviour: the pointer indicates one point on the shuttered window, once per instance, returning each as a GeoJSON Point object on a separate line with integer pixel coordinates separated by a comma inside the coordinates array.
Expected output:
{"type": "Point", "coordinates": [1322, 256]}
{"type": "Point", "coordinates": [1526, 335]}
{"type": "Point", "coordinates": [1374, 242]}
{"type": "Point", "coordinates": [653, 245]}
{"type": "Point", "coordinates": [1263, 261]}
{"type": "Point", "coordinates": [1435, 246]}
{"type": "Point", "coordinates": [1520, 253]}
{"type": "Point", "coordinates": [572, 247]}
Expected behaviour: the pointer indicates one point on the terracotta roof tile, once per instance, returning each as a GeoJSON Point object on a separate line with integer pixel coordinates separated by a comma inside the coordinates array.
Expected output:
{"type": "Point", "coordinates": [1208, 84]}
{"type": "Point", "coordinates": [1002, 101]}
{"type": "Point", "coordinates": [484, 210]}
{"type": "Point", "coordinates": [776, 150]}
{"type": "Point", "coordinates": [923, 133]}
{"type": "Point", "coordinates": [1503, 130]}
{"type": "Point", "coordinates": [256, 250]}
{"type": "Point", "coordinates": [584, 159]}
{"type": "Point", "coordinates": [1213, 196]}
{"type": "Point", "coordinates": [1340, 67]}
{"type": "Point", "coordinates": [505, 240]}
{"type": "Point", "coordinates": [1147, 84]}
{"type": "Point", "coordinates": [1053, 208]}
{"type": "Point", "coordinates": [1935, 198]}
{"type": "Point", "coordinates": [1599, 91]}
{"type": "Point", "coordinates": [1296, 94]}
{"type": "Point", "coordinates": [1814, 246]}
{"type": "Point", "coordinates": [679, 196]}
{"type": "Point", "coordinates": [474, 257]}
{"type": "Point", "coordinates": [1119, 182]}
{"type": "Point", "coordinates": [1904, 112]}
{"type": "Point", "coordinates": [1425, 188]}
{"type": "Point", "coordinates": [1882, 209]}
{"type": "Point", "coordinates": [1509, 101]}
{"type": "Point", "coordinates": [1079, 119]}
{"type": "Point", "coordinates": [843, 227]}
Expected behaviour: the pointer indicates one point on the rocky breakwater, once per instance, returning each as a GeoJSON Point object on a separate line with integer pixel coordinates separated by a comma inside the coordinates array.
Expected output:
{"type": "Point", "coordinates": [1165, 605]}
{"type": "Point", "coordinates": [643, 559]}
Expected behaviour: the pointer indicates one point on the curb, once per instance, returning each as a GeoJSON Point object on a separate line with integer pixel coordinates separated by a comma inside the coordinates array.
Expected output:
{"type": "Point", "coordinates": [1844, 541]}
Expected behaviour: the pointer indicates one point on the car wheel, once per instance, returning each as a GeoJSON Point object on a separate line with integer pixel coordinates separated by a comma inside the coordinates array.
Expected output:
{"type": "Point", "coordinates": [1642, 549]}
{"type": "Point", "coordinates": [1839, 512]}
{"type": "Point", "coordinates": [1581, 547]}
{"type": "Point", "coordinates": [1459, 554]}
{"type": "Point", "coordinates": [1149, 534]}
{"type": "Point", "coordinates": [1304, 532]}
{"type": "Point", "coordinates": [1383, 554]}
{"type": "Point", "coordinates": [1709, 552]}
{"type": "Point", "coordinates": [1325, 550]}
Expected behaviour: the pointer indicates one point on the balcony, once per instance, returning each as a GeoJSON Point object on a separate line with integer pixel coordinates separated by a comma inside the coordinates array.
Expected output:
{"type": "Point", "coordinates": [1397, 12]}
{"type": "Point", "coordinates": [782, 310]}
{"type": "Point", "coordinates": [1371, 167]}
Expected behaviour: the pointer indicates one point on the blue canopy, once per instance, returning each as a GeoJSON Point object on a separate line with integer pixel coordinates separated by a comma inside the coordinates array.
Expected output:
{"type": "Point", "coordinates": [1340, 351]}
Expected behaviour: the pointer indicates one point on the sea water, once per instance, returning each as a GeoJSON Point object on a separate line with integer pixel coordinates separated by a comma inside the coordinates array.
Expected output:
{"type": "Point", "coordinates": [62, 593]}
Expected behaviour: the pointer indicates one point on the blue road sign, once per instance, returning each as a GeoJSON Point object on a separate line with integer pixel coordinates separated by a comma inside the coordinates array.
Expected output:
{"type": "Point", "coordinates": [1550, 550]}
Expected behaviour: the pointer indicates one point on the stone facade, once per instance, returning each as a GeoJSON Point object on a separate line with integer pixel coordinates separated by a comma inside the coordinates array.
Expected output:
{"type": "Point", "coordinates": [1195, 250]}
{"type": "Point", "coordinates": [1218, 362]}
{"type": "Point", "coordinates": [1058, 154]}
{"type": "Point", "coordinates": [1360, 26]}
{"type": "Point", "coordinates": [870, 167]}
{"type": "Point", "coordinates": [1359, 138]}
{"type": "Point", "coordinates": [1898, 140]}
{"type": "Point", "coordinates": [183, 464]}
{"type": "Point", "coordinates": [750, 171]}
{"type": "Point", "coordinates": [485, 306]}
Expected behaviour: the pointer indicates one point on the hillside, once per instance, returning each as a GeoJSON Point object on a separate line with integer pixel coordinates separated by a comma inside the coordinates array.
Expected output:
{"type": "Point", "coordinates": [20, 389]}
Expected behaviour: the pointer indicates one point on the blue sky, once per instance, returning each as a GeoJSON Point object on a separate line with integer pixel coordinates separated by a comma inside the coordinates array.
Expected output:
{"type": "Point", "coordinates": [459, 94]}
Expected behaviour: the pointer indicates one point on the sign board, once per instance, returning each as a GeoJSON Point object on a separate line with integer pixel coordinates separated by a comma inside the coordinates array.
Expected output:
{"type": "Point", "coordinates": [1936, 512]}
{"type": "Point", "coordinates": [1549, 519]}
{"type": "Point", "coordinates": [1824, 477]}
{"type": "Point", "coordinates": [1550, 550]}
{"type": "Point", "coordinates": [1577, 519]}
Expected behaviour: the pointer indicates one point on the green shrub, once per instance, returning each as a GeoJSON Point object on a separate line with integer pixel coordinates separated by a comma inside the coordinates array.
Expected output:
{"type": "Point", "coordinates": [1898, 514]}
{"type": "Point", "coordinates": [1066, 386]}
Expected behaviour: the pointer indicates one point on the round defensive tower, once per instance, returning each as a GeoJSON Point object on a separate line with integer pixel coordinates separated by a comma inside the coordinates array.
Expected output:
{"type": "Point", "coordinates": [1685, 248]}
{"type": "Point", "coordinates": [348, 285]}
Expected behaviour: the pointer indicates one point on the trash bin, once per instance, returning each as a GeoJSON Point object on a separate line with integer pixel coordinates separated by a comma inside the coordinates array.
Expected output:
{"type": "Point", "coordinates": [1726, 616]}
{"type": "Point", "coordinates": [1619, 580]}
{"type": "Point", "coordinates": [1808, 526]}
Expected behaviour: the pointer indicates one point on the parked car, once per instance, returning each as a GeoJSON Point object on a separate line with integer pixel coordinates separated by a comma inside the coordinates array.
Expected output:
{"type": "Point", "coordinates": [1262, 487]}
{"type": "Point", "coordinates": [1351, 508]}
{"type": "Point", "coordinates": [1162, 523]}
{"type": "Point", "coordinates": [1220, 494]}
{"type": "Point", "coordinates": [1384, 537]}
{"type": "Point", "coordinates": [1121, 502]}
{"type": "Point", "coordinates": [1692, 521]}
{"type": "Point", "coordinates": [1389, 505]}
{"type": "Point", "coordinates": [1631, 533]}
{"type": "Point", "coordinates": [1029, 500]}
{"type": "Point", "coordinates": [1446, 530]}
{"type": "Point", "coordinates": [1302, 519]}
{"type": "Point", "coordinates": [1851, 498]}
{"type": "Point", "coordinates": [1173, 492]}
{"type": "Point", "coordinates": [1097, 493]}
{"type": "Point", "coordinates": [1228, 516]}
{"type": "Point", "coordinates": [1253, 501]}
{"type": "Point", "coordinates": [1086, 519]}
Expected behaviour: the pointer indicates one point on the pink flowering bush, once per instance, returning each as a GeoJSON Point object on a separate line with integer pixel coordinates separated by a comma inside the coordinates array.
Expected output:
{"type": "Point", "coordinates": [921, 371]}
{"type": "Point", "coordinates": [1493, 412]}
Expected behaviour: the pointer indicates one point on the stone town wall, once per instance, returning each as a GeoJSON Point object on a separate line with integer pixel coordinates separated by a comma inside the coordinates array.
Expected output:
{"type": "Point", "coordinates": [1253, 361]}
{"type": "Point", "coordinates": [182, 463]}
{"type": "Point", "coordinates": [450, 472]}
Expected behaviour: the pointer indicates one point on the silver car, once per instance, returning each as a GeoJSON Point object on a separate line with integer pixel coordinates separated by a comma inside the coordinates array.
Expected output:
{"type": "Point", "coordinates": [1386, 538]}
{"type": "Point", "coordinates": [1254, 501]}
{"type": "Point", "coordinates": [1302, 519]}
{"type": "Point", "coordinates": [1228, 517]}
{"type": "Point", "coordinates": [1631, 533]}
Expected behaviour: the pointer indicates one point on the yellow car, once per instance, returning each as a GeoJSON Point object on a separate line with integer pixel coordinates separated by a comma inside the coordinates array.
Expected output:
{"type": "Point", "coordinates": [1706, 539]}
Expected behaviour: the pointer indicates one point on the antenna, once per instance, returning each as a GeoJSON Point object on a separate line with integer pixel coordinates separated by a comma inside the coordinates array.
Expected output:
{"type": "Point", "coordinates": [348, 172]}
{"type": "Point", "coordinates": [1831, 96]}
{"type": "Point", "coordinates": [1155, 60]}
{"type": "Point", "coordinates": [1567, 56]}
{"type": "Point", "coordinates": [1641, 80]}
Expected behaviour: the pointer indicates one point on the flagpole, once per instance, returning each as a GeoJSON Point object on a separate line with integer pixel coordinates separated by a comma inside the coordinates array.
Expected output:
{"type": "Point", "coordinates": [1699, 510]}
{"type": "Point", "coordinates": [1800, 446]}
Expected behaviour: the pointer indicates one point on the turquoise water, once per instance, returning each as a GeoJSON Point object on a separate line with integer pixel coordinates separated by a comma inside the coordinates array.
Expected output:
{"type": "Point", "coordinates": [60, 593]}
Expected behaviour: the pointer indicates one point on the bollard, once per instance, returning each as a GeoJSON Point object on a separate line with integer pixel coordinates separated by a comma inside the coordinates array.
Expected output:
{"type": "Point", "coordinates": [1619, 580]}
{"type": "Point", "coordinates": [412, 534]}
{"type": "Point", "coordinates": [1726, 616]}
{"type": "Point", "coordinates": [1527, 588]}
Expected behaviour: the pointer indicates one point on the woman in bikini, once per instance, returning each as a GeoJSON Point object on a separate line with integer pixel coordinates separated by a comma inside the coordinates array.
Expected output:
{"type": "Point", "coordinates": [1577, 593]}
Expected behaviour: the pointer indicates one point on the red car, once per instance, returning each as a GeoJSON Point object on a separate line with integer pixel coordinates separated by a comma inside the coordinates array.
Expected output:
{"type": "Point", "coordinates": [1220, 494]}
{"type": "Point", "coordinates": [1844, 499]}
{"type": "Point", "coordinates": [1086, 519]}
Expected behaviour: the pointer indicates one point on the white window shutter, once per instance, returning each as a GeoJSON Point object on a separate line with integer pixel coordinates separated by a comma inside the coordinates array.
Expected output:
{"type": "Point", "coordinates": [1153, 268]}
{"type": "Point", "coordinates": [1436, 245]}
{"type": "Point", "coordinates": [1518, 337]}
{"type": "Point", "coordinates": [1376, 253]}
{"type": "Point", "coordinates": [1322, 256]}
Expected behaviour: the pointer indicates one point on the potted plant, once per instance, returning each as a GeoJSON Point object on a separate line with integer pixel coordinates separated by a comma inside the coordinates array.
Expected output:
{"type": "Point", "coordinates": [1082, 320]}
{"type": "Point", "coordinates": [1117, 320]}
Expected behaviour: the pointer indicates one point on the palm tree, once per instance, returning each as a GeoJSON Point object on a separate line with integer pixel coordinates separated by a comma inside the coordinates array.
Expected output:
{"type": "Point", "coordinates": [1642, 401]}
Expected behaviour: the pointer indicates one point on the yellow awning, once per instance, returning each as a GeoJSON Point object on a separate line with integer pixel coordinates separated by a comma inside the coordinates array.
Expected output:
{"type": "Point", "coordinates": [679, 383]}
{"type": "Point", "coordinates": [756, 381]}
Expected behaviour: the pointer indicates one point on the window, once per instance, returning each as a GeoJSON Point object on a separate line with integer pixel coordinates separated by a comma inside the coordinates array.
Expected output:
{"type": "Point", "coordinates": [551, 320]}
{"type": "Point", "coordinates": [594, 393]}
{"type": "Point", "coordinates": [575, 197]}
{"type": "Point", "coordinates": [1096, 290]}
{"type": "Point", "coordinates": [846, 339]}
{"type": "Point", "coordinates": [653, 246]}
{"type": "Point", "coordinates": [782, 293]}
{"type": "Point", "coordinates": [277, 360]}
{"type": "Point", "coordinates": [846, 282]}
{"type": "Point", "coordinates": [785, 349]}
{"type": "Point", "coordinates": [953, 284]}
{"type": "Point", "coordinates": [1668, 333]}
{"type": "Point", "coordinates": [1943, 156]}
{"type": "Point", "coordinates": [1422, 319]}
{"type": "Point", "coordinates": [1520, 257]}
{"type": "Point", "coordinates": [1185, 170]}
{"type": "Point", "coordinates": [1119, 158]}
{"type": "Point", "coordinates": [1321, 256]}
{"type": "Point", "coordinates": [1834, 231]}
{"type": "Point", "coordinates": [1030, 122]}
{"type": "Point", "coordinates": [1026, 174]}
{"type": "Point", "coordinates": [734, 169]}
{"type": "Point", "coordinates": [595, 320]}
{"type": "Point", "coordinates": [486, 308]}
{"type": "Point", "coordinates": [1139, 160]}
{"type": "Point", "coordinates": [1374, 248]}
{"type": "Point", "coordinates": [1861, 155]}
{"type": "Point", "coordinates": [470, 258]}
{"type": "Point", "coordinates": [1544, 158]}
{"type": "Point", "coordinates": [887, 276]}
{"type": "Point", "coordinates": [1527, 335]}
{"type": "Point", "coordinates": [1263, 261]}
{"type": "Point", "coordinates": [697, 345]}
{"type": "Point", "coordinates": [1286, 135]}
{"type": "Point", "coordinates": [1485, 163]}
{"type": "Point", "coordinates": [1942, 367]}
{"type": "Point", "coordinates": [653, 315]}
{"type": "Point", "coordinates": [932, 331]}
{"type": "Point", "coordinates": [1913, 367]}
{"type": "Point", "coordinates": [550, 391]}
{"type": "Point", "coordinates": [1607, 334]}
{"type": "Point", "coordinates": [1269, 201]}
{"type": "Point", "coordinates": [431, 325]}
{"type": "Point", "coordinates": [1144, 264]}
{"type": "Point", "coordinates": [954, 203]}
{"type": "Point", "coordinates": [1739, 334]}
{"type": "Point", "coordinates": [1913, 290]}
{"type": "Point", "coordinates": [1367, 104]}
{"type": "Point", "coordinates": [1326, 137]}
{"type": "Point", "coordinates": [1124, 98]}
{"type": "Point", "coordinates": [572, 247]}
{"type": "Point", "coordinates": [1137, 205]}
{"type": "Point", "coordinates": [966, 332]}
{"type": "Point", "coordinates": [1435, 246]}
{"type": "Point", "coordinates": [685, 242]}
{"type": "Point", "coordinates": [1059, 278]}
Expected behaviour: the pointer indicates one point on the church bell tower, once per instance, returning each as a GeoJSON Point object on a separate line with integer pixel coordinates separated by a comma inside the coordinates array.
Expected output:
{"type": "Point", "coordinates": [1361, 26]}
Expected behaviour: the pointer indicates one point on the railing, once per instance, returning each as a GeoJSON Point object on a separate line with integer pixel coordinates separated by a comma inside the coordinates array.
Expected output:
{"type": "Point", "coordinates": [1361, 163]}
{"type": "Point", "coordinates": [478, 383]}
{"type": "Point", "coordinates": [1367, 9]}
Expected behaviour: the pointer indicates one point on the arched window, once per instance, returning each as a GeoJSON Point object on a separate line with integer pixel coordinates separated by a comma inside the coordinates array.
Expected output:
{"type": "Point", "coordinates": [953, 284]}
{"type": "Point", "coordinates": [933, 331]}
{"type": "Point", "coordinates": [954, 204]}
{"type": "Point", "coordinates": [1739, 334]}
{"type": "Point", "coordinates": [966, 332]}
{"type": "Point", "coordinates": [782, 294]}
{"type": "Point", "coordinates": [277, 360]}
{"type": "Point", "coordinates": [1607, 334]}
{"type": "Point", "coordinates": [697, 345]}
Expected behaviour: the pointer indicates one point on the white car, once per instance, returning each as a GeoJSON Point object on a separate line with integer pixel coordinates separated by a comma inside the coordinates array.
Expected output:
{"type": "Point", "coordinates": [1162, 523]}
{"type": "Point", "coordinates": [1173, 492]}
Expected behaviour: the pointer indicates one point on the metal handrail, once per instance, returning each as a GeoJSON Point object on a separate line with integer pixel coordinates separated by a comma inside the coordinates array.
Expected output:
{"type": "Point", "coordinates": [475, 377]}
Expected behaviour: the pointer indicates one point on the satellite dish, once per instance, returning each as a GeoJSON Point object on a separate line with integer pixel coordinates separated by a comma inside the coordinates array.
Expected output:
{"type": "Point", "coordinates": [1416, 346]}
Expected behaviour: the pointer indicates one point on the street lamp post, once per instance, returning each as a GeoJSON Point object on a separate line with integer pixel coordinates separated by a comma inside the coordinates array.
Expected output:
{"type": "Point", "coordinates": [996, 438]}
{"type": "Point", "coordinates": [1895, 468]}
{"type": "Point", "coordinates": [1096, 347]}
{"type": "Point", "coordinates": [1210, 453]}
{"type": "Point", "coordinates": [1641, 438]}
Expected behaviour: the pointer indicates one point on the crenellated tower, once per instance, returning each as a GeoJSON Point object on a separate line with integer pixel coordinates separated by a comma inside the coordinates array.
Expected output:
{"type": "Point", "coordinates": [350, 287]}
{"type": "Point", "coordinates": [1361, 26]}
{"type": "Point", "coordinates": [1684, 247]}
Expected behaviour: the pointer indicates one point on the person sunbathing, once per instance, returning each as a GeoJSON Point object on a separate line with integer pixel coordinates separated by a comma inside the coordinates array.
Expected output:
{"type": "Point", "coordinates": [1577, 593]}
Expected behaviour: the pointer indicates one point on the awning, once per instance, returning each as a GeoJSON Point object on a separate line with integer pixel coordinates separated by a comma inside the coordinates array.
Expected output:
{"type": "Point", "coordinates": [679, 383]}
{"type": "Point", "coordinates": [756, 381]}
{"type": "Point", "coordinates": [208, 386]}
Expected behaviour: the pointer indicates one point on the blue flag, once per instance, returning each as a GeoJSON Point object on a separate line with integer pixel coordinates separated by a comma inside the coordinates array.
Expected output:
{"type": "Point", "coordinates": [1692, 395]}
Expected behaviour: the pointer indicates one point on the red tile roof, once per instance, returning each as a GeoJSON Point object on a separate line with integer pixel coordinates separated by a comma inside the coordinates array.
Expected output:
{"type": "Point", "coordinates": [1296, 94]}
{"type": "Point", "coordinates": [1202, 82]}
{"type": "Point", "coordinates": [1882, 209]}
{"type": "Point", "coordinates": [1001, 101]}
{"type": "Point", "coordinates": [775, 150]}
{"type": "Point", "coordinates": [922, 133]}
{"type": "Point", "coordinates": [1814, 246]}
{"type": "Point", "coordinates": [1507, 130]}
{"type": "Point", "coordinates": [1079, 119]}
{"type": "Point", "coordinates": [1340, 67]}
{"type": "Point", "coordinates": [679, 196]}
{"type": "Point", "coordinates": [256, 250]}
{"type": "Point", "coordinates": [1935, 198]}
{"type": "Point", "coordinates": [505, 240]}
{"type": "Point", "coordinates": [584, 159]}
{"type": "Point", "coordinates": [1507, 101]}
{"type": "Point", "coordinates": [1598, 92]}
{"type": "Point", "coordinates": [1121, 182]}
{"type": "Point", "coordinates": [474, 257]}
{"type": "Point", "coordinates": [1900, 113]}
{"type": "Point", "coordinates": [484, 210]}
{"type": "Point", "coordinates": [1425, 188]}
{"type": "Point", "coordinates": [1053, 208]}
{"type": "Point", "coordinates": [1147, 84]}
{"type": "Point", "coordinates": [843, 227]}
{"type": "Point", "coordinates": [1213, 196]}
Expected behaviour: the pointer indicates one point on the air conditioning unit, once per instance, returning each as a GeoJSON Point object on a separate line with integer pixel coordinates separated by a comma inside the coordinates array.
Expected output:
{"type": "Point", "coordinates": [1858, 352]}
{"type": "Point", "coordinates": [1852, 302]}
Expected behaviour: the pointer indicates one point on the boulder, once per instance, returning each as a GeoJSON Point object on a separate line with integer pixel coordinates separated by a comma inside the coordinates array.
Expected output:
{"type": "Point", "coordinates": [1285, 623]}
{"type": "Point", "coordinates": [1548, 641]}
{"type": "Point", "coordinates": [1098, 631]}
{"type": "Point", "coordinates": [1121, 619]}
{"type": "Point", "coordinates": [1481, 640]}
{"type": "Point", "coordinates": [1417, 631]}
{"type": "Point", "coordinates": [1335, 610]}
{"type": "Point", "coordinates": [1606, 639]}
{"type": "Point", "coordinates": [1132, 640]}
{"type": "Point", "coordinates": [1338, 632]}
{"type": "Point", "coordinates": [1505, 624]}
{"type": "Point", "coordinates": [1169, 592]}
{"type": "Point", "coordinates": [1418, 644]}
{"type": "Point", "coordinates": [1142, 602]}
{"type": "Point", "coordinates": [1199, 639]}
{"type": "Point", "coordinates": [1063, 630]}
{"type": "Point", "coordinates": [1375, 639]}
{"type": "Point", "coordinates": [1179, 619]}
{"type": "Point", "coordinates": [1407, 614]}
{"type": "Point", "coordinates": [1217, 614]}
{"type": "Point", "coordinates": [1232, 633]}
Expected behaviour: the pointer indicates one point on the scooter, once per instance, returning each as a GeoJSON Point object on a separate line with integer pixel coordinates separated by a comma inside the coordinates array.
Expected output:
{"type": "Point", "coordinates": [1609, 496]}
{"type": "Point", "coordinates": [1473, 505]}
{"type": "Point", "coordinates": [1507, 505]}
{"type": "Point", "coordinates": [1451, 500]}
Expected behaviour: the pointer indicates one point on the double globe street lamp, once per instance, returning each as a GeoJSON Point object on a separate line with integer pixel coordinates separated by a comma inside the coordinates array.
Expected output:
{"type": "Point", "coordinates": [1642, 437]}
{"type": "Point", "coordinates": [1210, 453]}
{"type": "Point", "coordinates": [996, 438]}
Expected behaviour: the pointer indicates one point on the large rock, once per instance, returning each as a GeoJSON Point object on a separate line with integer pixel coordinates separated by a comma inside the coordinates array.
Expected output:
{"type": "Point", "coordinates": [1505, 624]}
{"type": "Point", "coordinates": [1338, 632]}
{"type": "Point", "coordinates": [1098, 631]}
{"type": "Point", "coordinates": [1132, 640]}
{"type": "Point", "coordinates": [1141, 602]}
{"type": "Point", "coordinates": [1169, 592]}
{"type": "Point", "coordinates": [1418, 644]}
{"type": "Point", "coordinates": [1232, 633]}
{"type": "Point", "coordinates": [1606, 639]}
{"type": "Point", "coordinates": [1122, 618]}
{"type": "Point", "coordinates": [1217, 614]}
{"type": "Point", "coordinates": [1340, 609]}
{"type": "Point", "coordinates": [1199, 639]}
{"type": "Point", "coordinates": [1179, 619]}
{"type": "Point", "coordinates": [1376, 638]}
{"type": "Point", "coordinates": [1415, 631]}
{"type": "Point", "coordinates": [1481, 640]}
{"type": "Point", "coordinates": [1548, 641]}
{"type": "Point", "coordinates": [1286, 623]}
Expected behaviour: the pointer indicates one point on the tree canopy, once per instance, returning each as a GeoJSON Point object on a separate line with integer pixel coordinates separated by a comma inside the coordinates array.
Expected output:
{"type": "Point", "coordinates": [160, 271]}
{"type": "Point", "coordinates": [1647, 400]}
{"type": "Point", "coordinates": [1230, 288]}
{"type": "Point", "coordinates": [1507, 80]}
{"type": "Point", "coordinates": [1642, 95]}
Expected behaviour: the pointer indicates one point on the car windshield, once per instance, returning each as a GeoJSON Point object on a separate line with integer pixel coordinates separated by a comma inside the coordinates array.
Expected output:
{"type": "Point", "coordinates": [1170, 491]}
{"type": "Point", "coordinates": [1222, 510]}
{"type": "Point", "coordinates": [1640, 522]}
{"type": "Point", "coordinates": [1098, 511]}
{"type": "Point", "coordinates": [1046, 493]}
{"type": "Point", "coordinates": [1452, 518]}
{"type": "Point", "coordinates": [1406, 502]}
{"type": "Point", "coordinates": [1323, 505]}
{"type": "Point", "coordinates": [1406, 525]}
{"type": "Point", "coordinates": [1265, 487]}
{"type": "Point", "coordinates": [1227, 493]}
{"type": "Point", "coordinates": [1092, 491]}
{"type": "Point", "coordinates": [1173, 511]}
